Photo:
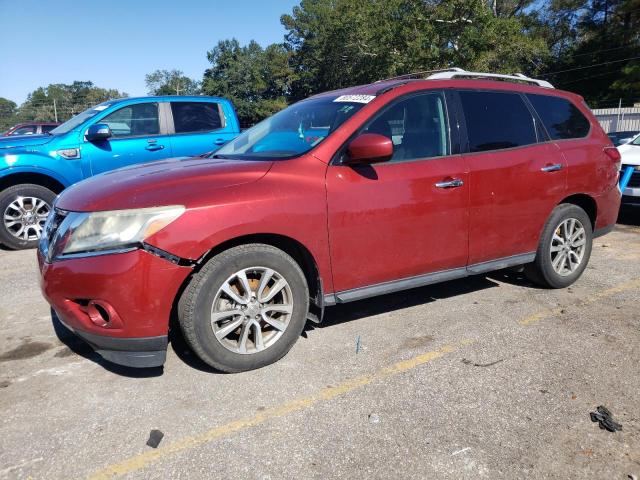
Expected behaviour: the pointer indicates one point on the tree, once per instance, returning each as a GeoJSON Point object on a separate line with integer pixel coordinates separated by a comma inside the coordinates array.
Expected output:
{"type": "Point", "coordinates": [7, 113]}
{"type": "Point", "coordinates": [62, 101]}
{"type": "Point", "coordinates": [594, 45]}
{"type": "Point", "coordinates": [171, 82]}
{"type": "Point", "coordinates": [337, 43]}
{"type": "Point", "coordinates": [257, 80]}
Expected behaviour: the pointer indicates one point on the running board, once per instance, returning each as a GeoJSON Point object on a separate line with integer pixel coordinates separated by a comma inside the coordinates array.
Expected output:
{"type": "Point", "coordinates": [427, 279]}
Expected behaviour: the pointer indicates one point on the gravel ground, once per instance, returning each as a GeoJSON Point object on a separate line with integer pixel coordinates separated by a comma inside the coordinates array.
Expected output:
{"type": "Point", "coordinates": [486, 377]}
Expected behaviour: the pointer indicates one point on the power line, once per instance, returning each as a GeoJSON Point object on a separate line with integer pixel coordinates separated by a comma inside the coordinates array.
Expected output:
{"type": "Point", "coordinates": [590, 66]}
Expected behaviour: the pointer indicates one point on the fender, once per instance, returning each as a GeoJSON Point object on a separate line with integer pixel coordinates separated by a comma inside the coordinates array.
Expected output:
{"type": "Point", "coordinates": [35, 169]}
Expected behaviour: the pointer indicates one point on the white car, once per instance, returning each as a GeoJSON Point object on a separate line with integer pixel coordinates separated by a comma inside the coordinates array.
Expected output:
{"type": "Point", "coordinates": [631, 157]}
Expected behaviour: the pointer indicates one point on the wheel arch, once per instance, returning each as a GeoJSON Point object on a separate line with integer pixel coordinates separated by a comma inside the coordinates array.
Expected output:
{"type": "Point", "coordinates": [587, 203]}
{"type": "Point", "coordinates": [36, 178]}
{"type": "Point", "coordinates": [299, 252]}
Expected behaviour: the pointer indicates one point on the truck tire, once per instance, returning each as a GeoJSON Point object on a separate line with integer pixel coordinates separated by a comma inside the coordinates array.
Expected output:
{"type": "Point", "coordinates": [245, 309]}
{"type": "Point", "coordinates": [24, 209]}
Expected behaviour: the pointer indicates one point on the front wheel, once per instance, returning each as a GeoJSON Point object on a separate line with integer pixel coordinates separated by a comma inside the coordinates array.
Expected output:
{"type": "Point", "coordinates": [564, 248]}
{"type": "Point", "coordinates": [245, 309]}
{"type": "Point", "coordinates": [24, 209]}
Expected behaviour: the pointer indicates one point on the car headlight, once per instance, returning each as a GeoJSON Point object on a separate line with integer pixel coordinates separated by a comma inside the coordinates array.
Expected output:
{"type": "Point", "coordinates": [117, 228]}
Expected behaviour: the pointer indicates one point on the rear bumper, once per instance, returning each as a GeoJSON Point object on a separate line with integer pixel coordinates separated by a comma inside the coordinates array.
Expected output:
{"type": "Point", "coordinates": [120, 304]}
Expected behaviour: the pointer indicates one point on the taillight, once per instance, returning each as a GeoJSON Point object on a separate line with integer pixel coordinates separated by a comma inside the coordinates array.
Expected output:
{"type": "Point", "coordinates": [612, 153]}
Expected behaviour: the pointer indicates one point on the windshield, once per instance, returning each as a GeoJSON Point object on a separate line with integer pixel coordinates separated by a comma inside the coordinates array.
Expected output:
{"type": "Point", "coordinates": [636, 141]}
{"type": "Point", "coordinates": [294, 130]}
{"type": "Point", "coordinates": [79, 119]}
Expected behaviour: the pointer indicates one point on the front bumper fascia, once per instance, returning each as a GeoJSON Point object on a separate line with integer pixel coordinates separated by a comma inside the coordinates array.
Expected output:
{"type": "Point", "coordinates": [138, 289]}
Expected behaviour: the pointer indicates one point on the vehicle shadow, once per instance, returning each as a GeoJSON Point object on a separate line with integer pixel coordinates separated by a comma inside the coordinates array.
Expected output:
{"type": "Point", "coordinates": [182, 350]}
{"type": "Point", "coordinates": [80, 347]}
{"type": "Point", "coordinates": [347, 312]}
{"type": "Point", "coordinates": [629, 216]}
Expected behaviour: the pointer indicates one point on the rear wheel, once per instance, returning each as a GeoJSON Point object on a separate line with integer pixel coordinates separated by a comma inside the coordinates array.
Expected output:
{"type": "Point", "coordinates": [245, 309]}
{"type": "Point", "coordinates": [24, 209]}
{"type": "Point", "coordinates": [564, 248]}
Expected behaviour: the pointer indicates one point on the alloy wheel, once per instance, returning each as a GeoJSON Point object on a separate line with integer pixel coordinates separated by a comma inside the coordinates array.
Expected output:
{"type": "Point", "coordinates": [251, 310]}
{"type": "Point", "coordinates": [568, 246]}
{"type": "Point", "coordinates": [24, 217]}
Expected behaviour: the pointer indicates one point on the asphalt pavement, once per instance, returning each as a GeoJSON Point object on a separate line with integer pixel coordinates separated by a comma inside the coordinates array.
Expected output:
{"type": "Point", "coordinates": [485, 377]}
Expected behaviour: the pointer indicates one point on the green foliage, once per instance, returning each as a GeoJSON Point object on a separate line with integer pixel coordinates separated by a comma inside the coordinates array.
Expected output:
{"type": "Point", "coordinates": [257, 80]}
{"type": "Point", "coordinates": [7, 113]}
{"type": "Point", "coordinates": [171, 82]}
{"type": "Point", "coordinates": [593, 43]}
{"type": "Point", "coordinates": [336, 43]}
{"type": "Point", "coordinates": [64, 100]}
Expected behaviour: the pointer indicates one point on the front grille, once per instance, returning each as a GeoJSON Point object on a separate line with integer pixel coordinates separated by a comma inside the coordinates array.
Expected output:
{"type": "Point", "coordinates": [634, 181]}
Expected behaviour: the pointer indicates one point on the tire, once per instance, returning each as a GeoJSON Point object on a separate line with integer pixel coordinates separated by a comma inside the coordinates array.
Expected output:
{"type": "Point", "coordinates": [204, 296]}
{"type": "Point", "coordinates": [24, 232]}
{"type": "Point", "coordinates": [566, 271]}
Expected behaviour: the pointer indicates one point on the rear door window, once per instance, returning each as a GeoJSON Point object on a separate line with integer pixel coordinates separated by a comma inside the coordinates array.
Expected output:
{"type": "Point", "coordinates": [561, 118]}
{"type": "Point", "coordinates": [134, 120]}
{"type": "Point", "coordinates": [497, 120]}
{"type": "Point", "coordinates": [191, 117]}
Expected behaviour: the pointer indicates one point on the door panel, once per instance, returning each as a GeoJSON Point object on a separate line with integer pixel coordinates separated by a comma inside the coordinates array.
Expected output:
{"type": "Point", "coordinates": [136, 139]}
{"type": "Point", "coordinates": [398, 219]}
{"type": "Point", "coordinates": [388, 222]}
{"type": "Point", "coordinates": [516, 175]}
{"type": "Point", "coordinates": [511, 198]}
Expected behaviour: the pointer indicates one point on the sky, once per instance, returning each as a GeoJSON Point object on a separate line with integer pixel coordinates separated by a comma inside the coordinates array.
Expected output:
{"type": "Point", "coordinates": [116, 42]}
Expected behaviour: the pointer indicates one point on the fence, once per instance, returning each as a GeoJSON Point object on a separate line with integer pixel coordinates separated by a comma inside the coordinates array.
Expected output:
{"type": "Point", "coordinates": [618, 119]}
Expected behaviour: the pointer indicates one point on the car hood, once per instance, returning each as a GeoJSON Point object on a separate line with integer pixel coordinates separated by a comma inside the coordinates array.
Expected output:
{"type": "Point", "coordinates": [24, 141]}
{"type": "Point", "coordinates": [630, 154]}
{"type": "Point", "coordinates": [184, 181]}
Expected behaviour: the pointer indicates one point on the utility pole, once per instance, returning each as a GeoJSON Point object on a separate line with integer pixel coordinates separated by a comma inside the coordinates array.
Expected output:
{"type": "Point", "coordinates": [55, 110]}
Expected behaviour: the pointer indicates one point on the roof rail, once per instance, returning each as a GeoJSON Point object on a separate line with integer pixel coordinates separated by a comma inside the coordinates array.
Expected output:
{"type": "Point", "coordinates": [420, 75]}
{"type": "Point", "coordinates": [459, 73]}
{"type": "Point", "coordinates": [455, 72]}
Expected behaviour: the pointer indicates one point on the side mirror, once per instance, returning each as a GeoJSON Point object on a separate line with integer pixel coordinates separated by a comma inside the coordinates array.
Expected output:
{"type": "Point", "coordinates": [97, 132]}
{"type": "Point", "coordinates": [369, 148]}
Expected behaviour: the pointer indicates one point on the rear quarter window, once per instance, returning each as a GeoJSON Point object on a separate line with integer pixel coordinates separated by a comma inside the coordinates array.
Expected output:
{"type": "Point", "coordinates": [497, 120]}
{"type": "Point", "coordinates": [561, 118]}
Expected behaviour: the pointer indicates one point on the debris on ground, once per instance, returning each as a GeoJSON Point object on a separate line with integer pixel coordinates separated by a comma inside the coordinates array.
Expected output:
{"type": "Point", "coordinates": [155, 437]}
{"type": "Point", "coordinates": [469, 362]}
{"type": "Point", "coordinates": [358, 344]}
{"type": "Point", "coordinates": [374, 418]}
{"type": "Point", "coordinates": [605, 419]}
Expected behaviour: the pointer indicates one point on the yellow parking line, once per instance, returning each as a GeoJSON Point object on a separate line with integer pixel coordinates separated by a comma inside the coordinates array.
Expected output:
{"type": "Point", "coordinates": [622, 287]}
{"type": "Point", "coordinates": [144, 459]}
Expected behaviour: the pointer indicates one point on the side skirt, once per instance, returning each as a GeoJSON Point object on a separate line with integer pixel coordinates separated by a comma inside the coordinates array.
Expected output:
{"type": "Point", "coordinates": [427, 279]}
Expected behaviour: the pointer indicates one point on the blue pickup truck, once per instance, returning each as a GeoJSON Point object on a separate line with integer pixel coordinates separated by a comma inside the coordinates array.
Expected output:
{"type": "Point", "coordinates": [114, 134]}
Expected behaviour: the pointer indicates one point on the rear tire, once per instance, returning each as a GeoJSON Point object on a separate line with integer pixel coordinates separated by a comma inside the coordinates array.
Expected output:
{"type": "Point", "coordinates": [564, 248]}
{"type": "Point", "coordinates": [24, 209]}
{"type": "Point", "coordinates": [234, 328]}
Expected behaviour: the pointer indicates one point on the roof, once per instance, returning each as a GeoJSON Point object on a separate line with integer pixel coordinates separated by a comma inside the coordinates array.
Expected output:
{"type": "Point", "coordinates": [168, 98]}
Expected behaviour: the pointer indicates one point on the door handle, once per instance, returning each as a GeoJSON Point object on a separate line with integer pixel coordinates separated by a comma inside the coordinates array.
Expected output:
{"type": "Point", "coordinates": [220, 141]}
{"type": "Point", "coordinates": [552, 168]}
{"type": "Point", "coordinates": [153, 147]}
{"type": "Point", "coordinates": [456, 182]}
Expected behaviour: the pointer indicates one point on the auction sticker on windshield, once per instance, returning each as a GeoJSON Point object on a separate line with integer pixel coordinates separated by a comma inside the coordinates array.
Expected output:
{"type": "Point", "coordinates": [355, 98]}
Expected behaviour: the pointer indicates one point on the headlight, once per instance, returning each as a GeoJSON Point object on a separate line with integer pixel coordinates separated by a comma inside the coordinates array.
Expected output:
{"type": "Point", "coordinates": [117, 228]}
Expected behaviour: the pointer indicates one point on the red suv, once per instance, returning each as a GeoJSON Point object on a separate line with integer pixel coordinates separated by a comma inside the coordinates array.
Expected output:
{"type": "Point", "coordinates": [340, 197]}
